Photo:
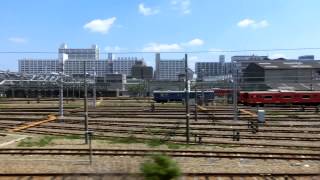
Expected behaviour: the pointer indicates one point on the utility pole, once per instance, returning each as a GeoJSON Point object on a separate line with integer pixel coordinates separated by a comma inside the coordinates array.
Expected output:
{"type": "Point", "coordinates": [94, 89]}
{"type": "Point", "coordinates": [85, 98]}
{"type": "Point", "coordinates": [202, 91]}
{"type": "Point", "coordinates": [196, 104]}
{"type": "Point", "coordinates": [61, 92]}
{"type": "Point", "coordinates": [235, 91]}
{"type": "Point", "coordinates": [187, 99]}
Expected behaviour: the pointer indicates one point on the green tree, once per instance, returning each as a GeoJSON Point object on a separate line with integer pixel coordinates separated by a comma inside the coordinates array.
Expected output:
{"type": "Point", "coordinates": [136, 89]}
{"type": "Point", "coordinates": [160, 167]}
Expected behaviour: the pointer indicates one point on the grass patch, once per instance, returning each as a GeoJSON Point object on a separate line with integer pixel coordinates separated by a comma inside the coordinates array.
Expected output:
{"type": "Point", "coordinates": [125, 140]}
{"type": "Point", "coordinates": [30, 142]}
{"type": "Point", "coordinates": [45, 140]}
{"type": "Point", "coordinates": [174, 146]}
{"type": "Point", "coordinates": [155, 142]}
{"type": "Point", "coordinates": [72, 136]}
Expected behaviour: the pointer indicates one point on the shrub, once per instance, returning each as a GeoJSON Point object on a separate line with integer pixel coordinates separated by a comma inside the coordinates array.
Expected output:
{"type": "Point", "coordinates": [160, 167]}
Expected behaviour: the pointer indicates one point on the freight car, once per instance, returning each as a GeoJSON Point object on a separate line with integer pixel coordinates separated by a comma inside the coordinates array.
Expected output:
{"type": "Point", "coordinates": [169, 96]}
{"type": "Point", "coordinates": [262, 98]}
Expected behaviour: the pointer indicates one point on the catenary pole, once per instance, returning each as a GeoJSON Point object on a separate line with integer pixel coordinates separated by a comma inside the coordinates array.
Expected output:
{"type": "Point", "coordinates": [94, 89]}
{"type": "Point", "coordinates": [85, 98]}
{"type": "Point", "coordinates": [187, 99]}
{"type": "Point", "coordinates": [235, 91]}
{"type": "Point", "coordinates": [61, 92]}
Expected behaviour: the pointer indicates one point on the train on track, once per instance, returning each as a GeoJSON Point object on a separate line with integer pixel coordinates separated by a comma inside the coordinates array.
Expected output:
{"type": "Point", "coordinates": [254, 98]}
{"type": "Point", "coordinates": [251, 98]}
{"type": "Point", "coordinates": [176, 96]}
{"type": "Point", "coordinates": [273, 97]}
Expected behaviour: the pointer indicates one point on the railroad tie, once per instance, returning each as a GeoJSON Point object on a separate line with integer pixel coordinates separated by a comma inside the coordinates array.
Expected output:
{"type": "Point", "coordinates": [34, 123]}
{"type": "Point", "coordinates": [202, 108]}
{"type": "Point", "coordinates": [99, 102]}
{"type": "Point", "coordinates": [248, 112]}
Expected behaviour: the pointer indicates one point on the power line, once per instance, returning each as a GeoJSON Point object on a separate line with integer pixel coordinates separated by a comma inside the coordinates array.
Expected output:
{"type": "Point", "coordinates": [216, 51]}
{"type": "Point", "coordinates": [174, 52]}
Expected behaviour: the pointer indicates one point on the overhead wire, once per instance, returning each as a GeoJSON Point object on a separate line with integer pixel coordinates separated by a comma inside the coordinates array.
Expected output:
{"type": "Point", "coordinates": [173, 52]}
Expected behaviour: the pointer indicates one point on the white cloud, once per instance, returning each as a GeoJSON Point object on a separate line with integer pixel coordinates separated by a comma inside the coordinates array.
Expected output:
{"type": "Point", "coordinates": [156, 47]}
{"type": "Point", "coordinates": [182, 5]}
{"type": "Point", "coordinates": [100, 25]}
{"type": "Point", "coordinates": [252, 23]}
{"type": "Point", "coordinates": [246, 22]}
{"type": "Point", "coordinates": [261, 24]}
{"type": "Point", "coordinates": [194, 42]}
{"type": "Point", "coordinates": [147, 11]}
{"type": "Point", "coordinates": [18, 40]}
{"type": "Point", "coordinates": [277, 56]}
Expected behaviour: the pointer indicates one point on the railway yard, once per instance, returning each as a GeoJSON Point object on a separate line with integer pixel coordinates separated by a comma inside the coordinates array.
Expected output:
{"type": "Point", "coordinates": [36, 143]}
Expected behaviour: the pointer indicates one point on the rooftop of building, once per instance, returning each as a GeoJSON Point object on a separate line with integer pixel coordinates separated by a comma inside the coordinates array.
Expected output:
{"type": "Point", "coordinates": [288, 64]}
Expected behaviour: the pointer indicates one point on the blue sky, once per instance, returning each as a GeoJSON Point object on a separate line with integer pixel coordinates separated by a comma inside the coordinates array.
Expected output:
{"type": "Point", "coordinates": [164, 25]}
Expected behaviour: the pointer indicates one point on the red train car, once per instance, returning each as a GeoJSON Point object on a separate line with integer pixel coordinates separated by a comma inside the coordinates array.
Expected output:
{"type": "Point", "coordinates": [222, 92]}
{"type": "Point", "coordinates": [279, 97]}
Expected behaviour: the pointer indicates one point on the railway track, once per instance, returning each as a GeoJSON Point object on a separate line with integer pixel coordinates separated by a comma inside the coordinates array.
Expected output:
{"type": "Point", "coordinates": [138, 176]}
{"type": "Point", "coordinates": [218, 126]}
{"type": "Point", "coordinates": [165, 129]}
{"type": "Point", "coordinates": [181, 140]}
{"type": "Point", "coordinates": [205, 132]}
{"type": "Point", "coordinates": [180, 132]}
{"type": "Point", "coordinates": [173, 153]}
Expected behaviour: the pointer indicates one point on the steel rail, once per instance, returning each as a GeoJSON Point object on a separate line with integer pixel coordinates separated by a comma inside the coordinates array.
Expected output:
{"type": "Point", "coordinates": [215, 142]}
{"type": "Point", "coordinates": [174, 153]}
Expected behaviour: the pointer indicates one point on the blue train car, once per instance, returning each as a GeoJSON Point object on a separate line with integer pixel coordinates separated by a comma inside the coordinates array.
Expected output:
{"type": "Point", "coordinates": [174, 96]}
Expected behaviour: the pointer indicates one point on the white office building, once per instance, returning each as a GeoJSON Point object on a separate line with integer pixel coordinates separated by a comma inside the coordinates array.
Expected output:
{"type": "Point", "coordinates": [123, 65]}
{"type": "Point", "coordinates": [209, 69]}
{"type": "Point", "coordinates": [39, 66]}
{"type": "Point", "coordinates": [168, 69]}
{"type": "Point", "coordinates": [73, 62]}
{"type": "Point", "coordinates": [79, 54]}
{"type": "Point", "coordinates": [99, 68]}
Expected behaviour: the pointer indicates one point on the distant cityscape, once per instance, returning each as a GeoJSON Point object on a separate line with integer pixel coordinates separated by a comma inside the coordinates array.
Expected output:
{"type": "Point", "coordinates": [70, 61]}
{"type": "Point", "coordinates": [116, 76]}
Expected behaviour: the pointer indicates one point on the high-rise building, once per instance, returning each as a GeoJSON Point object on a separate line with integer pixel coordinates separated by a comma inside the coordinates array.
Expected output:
{"type": "Point", "coordinates": [242, 62]}
{"type": "Point", "coordinates": [306, 57]}
{"type": "Point", "coordinates": [141, 71]}
{"type": "Point", "coordinates": [110, 56]}
{"type": "Point", "coordinates": [79, 54]}
{"type": "Point", "coordinates": [168, 69]}
{"type": "Point", "coordinates": [248, 58]}
{"type": "Point", "coordinates": [39, 66]}
{"type": "Point", "coordinates": [98, 67]}
{"type": "Point", "coordinates": [222, 59]}
{"type": "Point", "coordinates": [73, 62]}
{"type": "Point", "coordinates": [123, 65]}
{"type": "Point", "coordinates": [208, 69]}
